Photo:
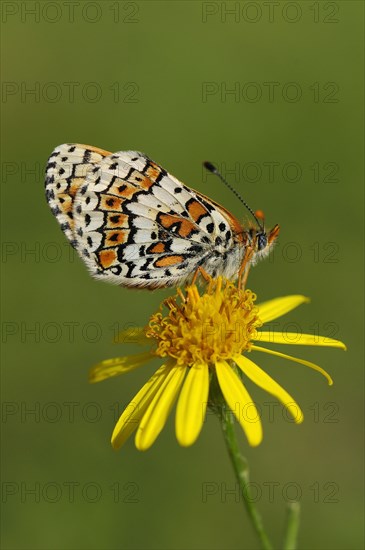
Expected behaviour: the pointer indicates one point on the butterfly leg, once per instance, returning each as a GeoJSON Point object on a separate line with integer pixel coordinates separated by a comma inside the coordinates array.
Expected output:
{"type": "Point", "coordinates": [203, 273]}
{"type": "Point", "coordinates": [244, 269]}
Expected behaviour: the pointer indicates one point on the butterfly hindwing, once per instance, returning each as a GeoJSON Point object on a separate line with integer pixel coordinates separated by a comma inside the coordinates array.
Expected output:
{"type": "Point", "coordinates": [66, 171]}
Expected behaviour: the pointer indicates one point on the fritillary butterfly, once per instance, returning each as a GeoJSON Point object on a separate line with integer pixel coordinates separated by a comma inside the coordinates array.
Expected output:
{"type": "Point", "coordinates": [136, 225]}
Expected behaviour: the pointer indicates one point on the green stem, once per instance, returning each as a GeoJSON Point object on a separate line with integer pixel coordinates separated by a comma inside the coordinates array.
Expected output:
{"type": "Point", "coordinates": [292, 526]}
{"type": "Point", "coordinates": [241, 470]}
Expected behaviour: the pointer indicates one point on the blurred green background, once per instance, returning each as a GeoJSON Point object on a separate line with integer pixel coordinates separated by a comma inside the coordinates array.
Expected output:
{"type": "Point", "coordinates": [156, 77]}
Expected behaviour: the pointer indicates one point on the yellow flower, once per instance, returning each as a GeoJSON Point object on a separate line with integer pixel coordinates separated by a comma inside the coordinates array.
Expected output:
{"type": "Point", "coordinates": [205, 338]}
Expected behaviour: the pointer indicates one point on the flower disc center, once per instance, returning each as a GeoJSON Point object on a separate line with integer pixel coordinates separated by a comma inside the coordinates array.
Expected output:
{"type": "Point", "coordinates": [204, 329]}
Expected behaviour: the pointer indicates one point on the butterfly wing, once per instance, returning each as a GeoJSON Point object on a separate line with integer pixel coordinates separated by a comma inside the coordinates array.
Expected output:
{"type": "Point", "coordinates": [135, 224]}
{"type": "Point", "coordinates": [65, 172]}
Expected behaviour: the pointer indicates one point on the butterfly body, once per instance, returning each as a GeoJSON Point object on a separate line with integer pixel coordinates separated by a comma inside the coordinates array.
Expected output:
{"type": "Point", "coordinates": [136, 225]}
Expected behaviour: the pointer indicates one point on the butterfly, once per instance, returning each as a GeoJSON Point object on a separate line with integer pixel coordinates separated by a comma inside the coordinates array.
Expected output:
{"type": "Point", "coordinates": [136, 225]}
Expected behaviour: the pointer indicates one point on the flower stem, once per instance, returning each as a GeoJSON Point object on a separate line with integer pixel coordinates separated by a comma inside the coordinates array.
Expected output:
{"type": "Point", "coordinates": [241, 470]}
{"type": "Point", "coordinates": [292, 526]}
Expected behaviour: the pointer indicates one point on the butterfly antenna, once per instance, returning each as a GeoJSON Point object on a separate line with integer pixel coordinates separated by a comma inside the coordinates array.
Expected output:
{"type": "Point", "coordinates": [209, 166]}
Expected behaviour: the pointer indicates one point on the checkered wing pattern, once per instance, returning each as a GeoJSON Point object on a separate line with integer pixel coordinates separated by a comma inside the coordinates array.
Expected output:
{"type": "Point", "coordinates": [66, 171]}
{"type": "Point", "coordinates": [135, 224]}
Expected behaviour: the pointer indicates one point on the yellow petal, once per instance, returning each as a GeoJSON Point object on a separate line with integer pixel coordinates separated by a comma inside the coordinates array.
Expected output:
{"type": "Point", "coordinates": [192, 404]}
{"type": "Point", "coordinates": [132, 335]}
{"type": "Point", "coordinates": [118, 365]}
{"type": "Point", "coordinates": [295, 359]}
{"type": "Point", "coordinates": [264, 381]}
{"type": "Point", "coordinates": [132, 414]}
{"type": "Point", "coordinates": [239, 400]}
{"type": "Point", "coordinates": [297, 338]}
{"type": "Point", "coordinates": [159, 408]}
{"type": "Point", "coordinates": [272, 309]}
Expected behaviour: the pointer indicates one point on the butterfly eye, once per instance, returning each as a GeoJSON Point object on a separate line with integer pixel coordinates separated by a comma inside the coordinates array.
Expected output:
{"type": "Point", "coordinates": [261, 241]}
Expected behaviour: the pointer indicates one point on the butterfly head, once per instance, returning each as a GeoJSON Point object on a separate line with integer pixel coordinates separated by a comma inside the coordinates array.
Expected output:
{"type": "Point", "coordinates": [261, 240]}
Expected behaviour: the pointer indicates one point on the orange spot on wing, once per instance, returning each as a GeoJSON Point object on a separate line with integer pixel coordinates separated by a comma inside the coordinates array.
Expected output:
{"type": "Point", "coordinates": [168, 261]}
{"type": "Point", "coordinates": [166, 220]}
{"type": "Point", "coordinates": [146, 183]}
{"type": "Point", "coordinates": [196, 210]}
{"type": "Point", "coordinates": [110, 203]}
{"type": "Point", "coordinates": [116, 220]}
{"type": "Point", "coordinates": [107, 258]}
{"type": "Point", "coordinates": [113, 238]}
{"type": "Point", "coordinates": [75, 184]}
{"type": "Point", "coordinates": [157, 248]}
{"type": "Point", "coordinates": [122, 189]}
{"type": "Point", "coordinates": [153, 171]}
{"type": "Point", "coordinates": [186, 228]}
